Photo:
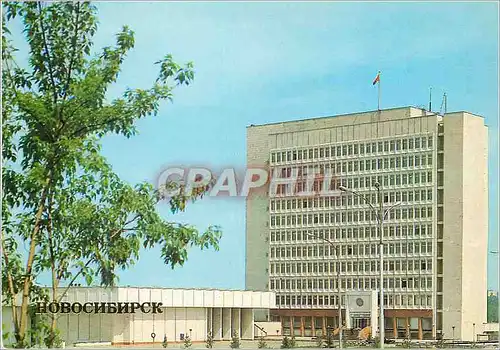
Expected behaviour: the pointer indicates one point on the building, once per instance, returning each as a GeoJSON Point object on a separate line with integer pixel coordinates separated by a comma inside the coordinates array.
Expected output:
{"type": "Point", "coordinates": [184, 312]}
{"type": "Point", "coordinates": [435, 241]}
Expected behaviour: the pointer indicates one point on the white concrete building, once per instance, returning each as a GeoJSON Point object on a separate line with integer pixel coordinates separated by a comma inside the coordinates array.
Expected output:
{"type": "Point", "coordinates": [191, 312]}
{"type": "Point", "coordinates": [435, 247]}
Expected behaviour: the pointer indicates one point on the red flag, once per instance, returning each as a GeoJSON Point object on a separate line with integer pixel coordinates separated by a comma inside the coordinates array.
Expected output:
{"type": "Point", "coordinates": [377, 79]}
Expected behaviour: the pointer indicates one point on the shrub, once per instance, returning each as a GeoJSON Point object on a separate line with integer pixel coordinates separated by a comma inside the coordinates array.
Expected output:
{"type": "Point", "coordinates": [235, 341]}
{"type": "Point", "coordinates": [285, 343]}
{"type": "Point", "coordinates": [262, 343]}
{"type": "Point", "coordinates": [187, 342]}
{"type": "Point", "coordinates": [319, 341]}
{"type": "Point", "coordinates": [165, 342]}
{"type": "Point", "coordinates": [210, 340]}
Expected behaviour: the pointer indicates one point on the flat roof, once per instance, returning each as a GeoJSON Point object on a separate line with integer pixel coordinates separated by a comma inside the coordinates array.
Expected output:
{"type": "Point", "coordinates": [361, 112]}
{"type": "Point", "coordinates": [333, 116]}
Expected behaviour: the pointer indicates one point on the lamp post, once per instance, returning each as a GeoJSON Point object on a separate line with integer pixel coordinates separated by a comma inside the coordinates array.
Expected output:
{"type": "Point", "coordinates": [453, 334]}
{"type": "Point", "coordinates": [474, 333]}
{"type": "Point", "coordinates": [380, 215]}
{"type": "Point", "coordinates": [340, 311]}
{"type": "Point", "coordinates": [338, 286]}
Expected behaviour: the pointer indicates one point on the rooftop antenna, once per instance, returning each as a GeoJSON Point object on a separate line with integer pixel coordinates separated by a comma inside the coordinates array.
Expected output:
{"type": "Point", "coordinates": [443, 104]}
{"type": "Point", "coordinates": [430, 99]}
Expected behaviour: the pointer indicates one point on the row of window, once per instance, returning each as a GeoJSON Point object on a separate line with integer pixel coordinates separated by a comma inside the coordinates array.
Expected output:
{"type": "Point", "coordinates": [356, 216]}
{"type": "Point", "coordinates": [392, 265]}
{"type": "Point", "coordinates": [342, 202]}
{"type": "Point", "coordinates": [350, 250]}
{"type": "Point", "coordinates": [341, 234]}
{"type": "Point", "coordinates": [326, 186]}
{"type": "Point", "coordinates": [352, 149]}
{"type": "Point", "coordinates": [390, 300]}
{"type": "Point", "coordinates": [414, 282]}
{"type": "Point", "coordinates": [355, 165]}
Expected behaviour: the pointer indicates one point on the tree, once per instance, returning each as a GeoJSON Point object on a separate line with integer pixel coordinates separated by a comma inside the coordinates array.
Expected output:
{"type": "Point", "coordinates": [187, 342]}
{"type": "Point", "coordinates": [60, 196]}
{"type": "Point", "coordinates": [320, 341]}
{"type": "Point", "coordinates": [492, 308]}
{"type": "Point", "coordinates": [262, 343]}
{"type": "Point", "coordinates": [209, 344]}
{"type": "Point", "coordinates": [235, 340]}
{"type": "Point", "coordinates": [285, 343]}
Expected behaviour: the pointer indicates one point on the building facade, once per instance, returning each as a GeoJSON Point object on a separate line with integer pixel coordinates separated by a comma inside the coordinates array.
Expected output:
{"type": "Point", "coordinates": [184, 312]}
{"type": "Point", "coordinates": [315, 248]}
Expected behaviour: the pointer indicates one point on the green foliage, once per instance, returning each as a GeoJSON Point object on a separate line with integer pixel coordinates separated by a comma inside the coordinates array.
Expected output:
{"type": "Point", "coordinates": [376, 342]}
{"type": "Point", "coordinates": [187, 342]}
{"type": "Point", "coordinates": [286, 343]}
{"type": "Point", "coordinates": [320, 341]}
{"type": "Point", "coordinates": [165, 342]}
{"type": "Point", "coordinates": [210, 340]}
{"type": "Point", "coordinates": [60, 196]}
{"type": "Point", "coordinates": [262, 343]}
{"type": "Point", "coordinates": [293, 343]}
{"type": "Point", "coordinates": [492, 304]}
{"type": "Point", "coordinates": [235, 340]}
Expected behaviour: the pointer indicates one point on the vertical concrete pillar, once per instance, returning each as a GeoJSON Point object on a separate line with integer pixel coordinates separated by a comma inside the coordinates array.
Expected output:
{"type": "Point", "coordinates": [291, 325]}
{"type": "Point", "coordinates": [420, 333]}
{"type": "Point", "coordinates": [313, 325]}
{"type": "Point", "coordinates": [395, 327]}
{"type": "Point", "coordinates": [236, 321]}
{"type": "Point", "coordinates": [247, 328]}
{"type": "Point", "coordinates": [302, 331]}
{"type": "Point", "coordinates": [226, 323]}
{"type": "Point", "coordinates": [324, 325]}
{"type": "Point", "coordinates": [209, 320]}
{"type": "Point", "coordinates": [217, 323]}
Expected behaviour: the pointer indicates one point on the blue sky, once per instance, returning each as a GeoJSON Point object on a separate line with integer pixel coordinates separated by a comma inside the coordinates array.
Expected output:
{"type": "Point", "coordinates": [267, 62]}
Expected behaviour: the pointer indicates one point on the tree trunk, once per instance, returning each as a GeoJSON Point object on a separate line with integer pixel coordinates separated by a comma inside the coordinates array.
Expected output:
{"type": "Point", "coordinates": [28, 280]}
{"type": "Point", "coordinates": [55, 280]}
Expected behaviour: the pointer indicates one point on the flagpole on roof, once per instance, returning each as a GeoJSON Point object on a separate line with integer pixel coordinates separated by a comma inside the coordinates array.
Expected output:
{"type": "Point", "coordinates": [378, 105]}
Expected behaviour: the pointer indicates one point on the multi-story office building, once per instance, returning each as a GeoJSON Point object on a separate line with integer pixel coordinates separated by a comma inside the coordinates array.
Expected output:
{"type": "Point", "coordinates": [432, 167]}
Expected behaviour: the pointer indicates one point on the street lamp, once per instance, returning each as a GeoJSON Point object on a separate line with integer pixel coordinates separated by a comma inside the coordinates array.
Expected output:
{"type": "Point", "coordinates": [380, 214]}
{"type": "Point", "coordinates": [338, 286]}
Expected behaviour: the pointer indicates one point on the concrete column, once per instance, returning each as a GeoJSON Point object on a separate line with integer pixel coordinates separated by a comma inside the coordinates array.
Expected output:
{"type": "Point", "coordinates": [291, 325]}
{"type": "Point", "coordinates": [217, 323]}
{"type": "Point", "coordinates": [324, 325]}
{"type": "Point", "coordinates": [420, 333]}
{"type": "Point", "coordinates": [247, 327]}
{"type": "Point", "coordinates": [347, 318]}
{"type": "Point", "coordinates": [395, 327]}
{"type": "Point", "coordinates": [236, 321]}
{"type": "Point", "coordinates": [302, 331]}
{"type": "Point", "coordinates": [313, 325]}
{"type": "Point", "coordinates": [226, 323]}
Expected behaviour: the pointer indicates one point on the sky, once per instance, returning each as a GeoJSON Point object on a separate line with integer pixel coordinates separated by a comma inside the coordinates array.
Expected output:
{"type": "Point", "coordinates": [269, 62]}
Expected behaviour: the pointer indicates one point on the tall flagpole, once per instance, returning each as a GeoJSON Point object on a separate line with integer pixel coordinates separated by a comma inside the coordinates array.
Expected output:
{"type": "Point", "coordinates": [378, 83]}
